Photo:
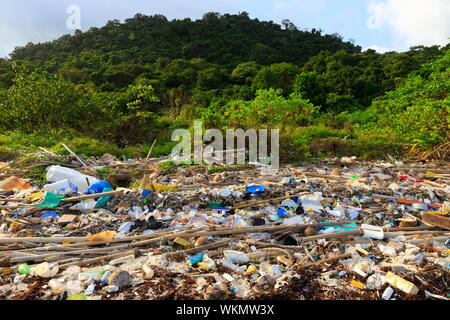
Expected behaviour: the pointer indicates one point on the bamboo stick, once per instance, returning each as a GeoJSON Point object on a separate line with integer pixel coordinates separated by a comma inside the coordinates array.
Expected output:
{"type": "Point", "coordinates": [42, 240]}
{"type": "Point", "coordinates": [94, 260]}
{"type": "Point", "coordinates": [342, 256]}
{"type": "Point", "coordinates": [329, 235]}
{"type": "Point", "coordinates": [213, 245]}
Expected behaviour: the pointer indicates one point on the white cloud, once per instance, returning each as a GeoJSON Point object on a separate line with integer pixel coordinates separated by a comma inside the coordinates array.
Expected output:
{"type": "Point", "coordinates": [295, 6]}
{"type": "Point", "coordinates": [413, 22]}
{"type": "Point", "coordinates": [379, 49]}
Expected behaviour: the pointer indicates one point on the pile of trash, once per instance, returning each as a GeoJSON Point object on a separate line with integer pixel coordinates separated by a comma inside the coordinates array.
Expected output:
{"type": "Point", "coordinates": [338, 229]}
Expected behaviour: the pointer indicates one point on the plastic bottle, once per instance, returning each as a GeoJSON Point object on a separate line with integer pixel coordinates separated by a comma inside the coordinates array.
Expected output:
{"type": "Point", "coordinates": [58, 173]}
{"type": "Point", "coordinates": [236, 256]}
{"type": "Point", "coordinates": [90, 289]}
{"type": "Point", "coordinates": [230, 265]}
{"type": "Point", "coordinates": [402, 284]}
{"type": "Point", "coordinates": [98, 187]}
{"type": "Point", "coordinates": [63, 187]}
{"type": "Point", "coordinates": [105, 277]}
{"type": "Point", "coordinates": [387, 294]}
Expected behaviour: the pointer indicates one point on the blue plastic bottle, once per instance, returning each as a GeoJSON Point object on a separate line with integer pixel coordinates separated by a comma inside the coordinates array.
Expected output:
{"type": "Point", "coordinates": [98, 187]}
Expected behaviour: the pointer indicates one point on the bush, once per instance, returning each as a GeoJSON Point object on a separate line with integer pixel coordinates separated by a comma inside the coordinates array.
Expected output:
{"type": "Point", "coordinates": [39, 102]}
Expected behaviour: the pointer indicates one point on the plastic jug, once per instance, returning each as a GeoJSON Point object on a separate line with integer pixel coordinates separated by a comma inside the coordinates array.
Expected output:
{"type": "Point", "coordinates": [98, 187]}
{"type": "Point", "coordinates": [58, 173]}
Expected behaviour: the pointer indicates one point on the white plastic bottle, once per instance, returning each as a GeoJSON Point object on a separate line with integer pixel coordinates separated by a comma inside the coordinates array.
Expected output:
{"type": "Point", "coordinates": [58, 173]}
{"type": "Point", "coordinates": [58, 187]}
{"type": "Point", "coordinates": [387, 293]}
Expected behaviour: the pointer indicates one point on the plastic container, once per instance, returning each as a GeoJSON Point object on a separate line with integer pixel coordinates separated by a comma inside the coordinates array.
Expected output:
{"type": "Point", "coordinates": [58, 173]}
{"type": "Point", "coordinates": [98, 187]}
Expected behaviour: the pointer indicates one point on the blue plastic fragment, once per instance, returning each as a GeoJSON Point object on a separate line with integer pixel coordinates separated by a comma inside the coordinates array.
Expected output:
{"type": "Point", "coordinates": [281, 212]}
{"type": "Point", "coordinates": [102, 200]}
{"type": "Point", "coordinates": [340, 228]}
{"type": "Point", "coordinates": [256, 189]}
{"type": "Point", "coordinates": [49, 215]}
{"type": "Point", "coordinates": [195, 259]}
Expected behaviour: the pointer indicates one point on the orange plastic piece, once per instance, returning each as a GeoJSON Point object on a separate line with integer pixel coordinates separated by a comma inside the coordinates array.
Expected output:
{"type": "Point", "coordinates": [358, 284]}
{"type": "Point", "coordinates": [103, 236]}
{"type": "Point", "coordinates": [13, 184]}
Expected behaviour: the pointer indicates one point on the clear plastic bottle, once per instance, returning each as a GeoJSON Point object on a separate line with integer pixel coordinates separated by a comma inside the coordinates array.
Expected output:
{"type": "Point", "coordinates": [230, 265]}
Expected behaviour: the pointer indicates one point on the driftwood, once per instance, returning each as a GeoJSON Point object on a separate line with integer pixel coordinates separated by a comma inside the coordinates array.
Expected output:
{"type": "Point", "coordinates": [436, 220]}
{"type": "Point", "coordinates": [94, 260]}
{"type": "Point", "coordinates": [312, 264]}
{"type": "Point", "coordinates": [330, 235]}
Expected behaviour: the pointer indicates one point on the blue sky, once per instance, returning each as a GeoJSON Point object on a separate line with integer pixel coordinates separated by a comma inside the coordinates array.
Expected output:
{"type": "Point", "coordinates": [380, 24]}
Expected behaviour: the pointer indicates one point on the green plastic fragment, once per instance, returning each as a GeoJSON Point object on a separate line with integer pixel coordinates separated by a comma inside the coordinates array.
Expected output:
{"type": "Point", "coordinates": [23, 269]}
{"type": "Point", "coordinates": [51, 200]}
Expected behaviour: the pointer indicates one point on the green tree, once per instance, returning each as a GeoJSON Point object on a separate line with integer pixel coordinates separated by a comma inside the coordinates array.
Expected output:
{"type": "Point", "coordinates": [310, 86]}
{"type": "Point", "coordinates": [278, 76]}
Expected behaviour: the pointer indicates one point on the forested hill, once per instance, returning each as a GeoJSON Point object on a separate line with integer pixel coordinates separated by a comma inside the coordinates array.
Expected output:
{"type": "Point", "coordinates": [221, 39]}
{"type": "Point", "coordinates": [129, 83]}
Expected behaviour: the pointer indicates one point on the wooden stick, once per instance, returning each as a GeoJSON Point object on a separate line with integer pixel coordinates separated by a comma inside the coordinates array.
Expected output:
{"type": "Point", "coordinates": [79, 160]}
{"type": "Point", "coordinates": [213, 245]}
{"type": "Point", "coordinates": [151, 149]}
{"type": "Point", "coordinates": [91, 196]}
{"type": "Point", "coordinates": [94, 260]}
{"type": "Point", "coordinates": [43, 240]}
{"type": "Point", "coordinates": [267, 252]}
{"type": "Point", "coordinates": [342, 256]}
{"type": "Point", "coordinates": [330, 235]}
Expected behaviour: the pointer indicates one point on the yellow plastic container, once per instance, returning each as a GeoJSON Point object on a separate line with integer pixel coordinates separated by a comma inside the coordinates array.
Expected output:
{"type": "Point", "coordinates": [181, 244]}
{"type": "Point", "coordinates": [401, 284]}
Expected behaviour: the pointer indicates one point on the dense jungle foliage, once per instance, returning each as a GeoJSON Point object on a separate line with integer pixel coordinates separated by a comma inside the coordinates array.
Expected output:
{"type": "Point", "coordinates": [115, 88]}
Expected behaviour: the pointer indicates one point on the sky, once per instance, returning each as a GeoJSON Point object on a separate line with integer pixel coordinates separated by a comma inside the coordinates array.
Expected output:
{"type": "Point", "coordinates": [383, 25]}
